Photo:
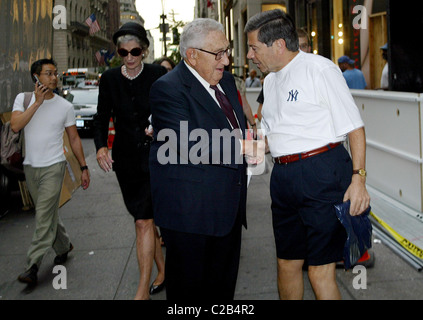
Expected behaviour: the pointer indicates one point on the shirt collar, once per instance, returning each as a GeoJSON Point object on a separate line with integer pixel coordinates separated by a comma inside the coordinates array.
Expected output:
{"type": "Point", "coordinates": [201, 79]}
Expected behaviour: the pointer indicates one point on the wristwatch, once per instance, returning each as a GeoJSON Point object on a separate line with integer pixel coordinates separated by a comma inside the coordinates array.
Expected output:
{"type": "Point", "coordinates": [361, 172]}
{"type": "Point", "coordinates": [84, 168]}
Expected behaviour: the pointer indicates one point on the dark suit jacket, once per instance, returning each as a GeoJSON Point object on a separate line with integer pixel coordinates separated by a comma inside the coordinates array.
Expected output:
{"type": "Point", "coordinates": [202, 198]}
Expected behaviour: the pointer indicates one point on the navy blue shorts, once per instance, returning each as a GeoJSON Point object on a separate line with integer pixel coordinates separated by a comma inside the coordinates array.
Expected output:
{"type": "Point", "coordinates": [303, 197]}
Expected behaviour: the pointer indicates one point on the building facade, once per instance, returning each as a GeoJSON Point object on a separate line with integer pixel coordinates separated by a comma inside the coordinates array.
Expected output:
{"type": "Point", "coordinates": [73, 46]}
{"type": "Point", "coordinates": [26, 36]}
{"type": "Point", "coordinates": [129, 13]}
{"type": "Point", "coordinates": [234, 15]}
{"type": "Point", "coordinates": [357, 28]}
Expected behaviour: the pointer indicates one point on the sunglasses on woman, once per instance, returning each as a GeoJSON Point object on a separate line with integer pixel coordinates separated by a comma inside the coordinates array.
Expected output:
{"type": "Point", "coordinates": [134, 52]}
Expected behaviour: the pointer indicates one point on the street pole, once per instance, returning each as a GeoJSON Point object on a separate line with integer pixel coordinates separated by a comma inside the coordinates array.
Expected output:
{"type": "Point", "coordinates": [164, 31]}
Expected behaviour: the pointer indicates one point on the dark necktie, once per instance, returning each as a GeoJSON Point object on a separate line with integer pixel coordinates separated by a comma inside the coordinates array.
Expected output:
{"type": "Point", "coordinates": [226, 106]}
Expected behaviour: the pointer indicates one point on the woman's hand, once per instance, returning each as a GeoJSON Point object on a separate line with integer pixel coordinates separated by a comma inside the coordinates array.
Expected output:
{"type": "Point", "coordinates": [104, 159]}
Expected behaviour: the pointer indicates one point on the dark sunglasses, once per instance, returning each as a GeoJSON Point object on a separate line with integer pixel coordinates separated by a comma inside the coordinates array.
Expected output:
{"type": "Point", "coordinates": [134, 52]}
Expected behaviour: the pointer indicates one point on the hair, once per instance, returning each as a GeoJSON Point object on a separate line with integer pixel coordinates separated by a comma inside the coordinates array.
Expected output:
{"type": "Point", "coordinates": [195, 34]}
{"type": "Point", "coordinates": [160, 60]}
{"type": "Point", "coordinates": [274, 25]}
{"type": "Point", "coordinates": [303, 34]}
{"type": "Point", "coordinates": [129, 37]}
{"type": "Point", "coordinates": [37, 66]}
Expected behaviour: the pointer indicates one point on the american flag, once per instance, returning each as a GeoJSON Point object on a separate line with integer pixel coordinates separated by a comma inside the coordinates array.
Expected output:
{"type": "Point", "coordinates": [99, 57]}
{"type": "Point", "coordinates": [93, 23]}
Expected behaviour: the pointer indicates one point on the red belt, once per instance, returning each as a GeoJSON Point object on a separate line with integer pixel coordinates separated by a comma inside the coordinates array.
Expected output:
{"type": "Point", "coordinates": [295, 157]}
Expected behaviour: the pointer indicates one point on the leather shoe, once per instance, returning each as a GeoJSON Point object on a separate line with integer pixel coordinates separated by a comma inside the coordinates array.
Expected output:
{"type": "Point", "coordinates": [62, 258]}
{"type": "Point", "coordinates": [30, 275]}
{"type": "Point", "coordinates": [157, 288]}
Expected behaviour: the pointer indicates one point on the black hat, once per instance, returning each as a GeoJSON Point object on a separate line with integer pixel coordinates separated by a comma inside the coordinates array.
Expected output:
{"type": "Point", "coordinates": [134, 29]}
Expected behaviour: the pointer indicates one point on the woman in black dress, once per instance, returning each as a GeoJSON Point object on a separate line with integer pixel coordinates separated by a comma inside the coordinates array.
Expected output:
{"type": "Point", "coordinates": [124, 95]}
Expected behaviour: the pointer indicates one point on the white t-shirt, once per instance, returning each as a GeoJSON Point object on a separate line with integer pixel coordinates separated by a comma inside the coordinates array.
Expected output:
{"type": "Point", "coordinates": [44, 132]}
{"type": "Point", "coordinates": [384, 79]}
{"type": "Point", "coordinates": [307, 105]}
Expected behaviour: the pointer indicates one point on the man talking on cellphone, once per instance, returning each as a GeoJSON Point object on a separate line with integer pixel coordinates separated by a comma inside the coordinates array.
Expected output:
{"type": "Point", "coordinates": [44, 122]}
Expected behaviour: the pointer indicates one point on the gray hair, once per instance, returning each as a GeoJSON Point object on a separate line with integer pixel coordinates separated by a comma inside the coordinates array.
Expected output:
{"type": "Point", "coordinates": [195, 33]}
{"type": "Point", "coordinates": [129, 37]}
{"type": "Point", "coordinates": [274, 25]}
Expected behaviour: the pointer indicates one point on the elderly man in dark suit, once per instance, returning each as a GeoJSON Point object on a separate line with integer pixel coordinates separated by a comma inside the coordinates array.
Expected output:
{"type": "Point", "coordinates": [198, 171]}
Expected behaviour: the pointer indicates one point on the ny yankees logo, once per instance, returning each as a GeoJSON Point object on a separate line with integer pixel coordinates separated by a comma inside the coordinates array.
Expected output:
{"type": "Point", "coordinates": [293, 96]}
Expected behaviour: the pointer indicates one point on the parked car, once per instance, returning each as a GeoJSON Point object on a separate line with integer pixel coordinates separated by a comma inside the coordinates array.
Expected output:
{"type": "Point", "coordinates": [85, 105]}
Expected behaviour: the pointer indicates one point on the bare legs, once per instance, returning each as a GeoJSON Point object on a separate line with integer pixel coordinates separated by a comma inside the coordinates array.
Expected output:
{"type": "Point", "coordinates": [291, 283]}
{"type": "Point", "coordinates": [147, 251]}
{"type": "Point", "coordinates": [159, 259]}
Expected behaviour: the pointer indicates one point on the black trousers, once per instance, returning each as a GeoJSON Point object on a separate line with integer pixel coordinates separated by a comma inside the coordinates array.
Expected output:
{"type": "Point", "coordinates": [201, 268]}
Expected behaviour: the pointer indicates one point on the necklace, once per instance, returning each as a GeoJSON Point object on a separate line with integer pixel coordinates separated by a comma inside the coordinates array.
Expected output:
{"type": "Point", "coordinates": [125, 72]}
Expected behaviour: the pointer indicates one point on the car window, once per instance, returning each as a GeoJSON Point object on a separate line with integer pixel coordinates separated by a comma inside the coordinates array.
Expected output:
{"type": "Point", "coordinates": [84, 97]}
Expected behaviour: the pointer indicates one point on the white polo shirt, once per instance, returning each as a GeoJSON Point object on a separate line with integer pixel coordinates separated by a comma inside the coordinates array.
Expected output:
{"type": "Point", "coordinates": [307, 105]}
{"type": "Point", "coordinates": [44, 132]}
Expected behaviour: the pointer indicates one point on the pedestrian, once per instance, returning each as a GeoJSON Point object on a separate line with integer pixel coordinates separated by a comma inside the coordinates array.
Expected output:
{"type": "Point", "coordinates": [248, 112]}
{"type": "Point", "coordinates": [200, 206]}
{"type": "Point", "coordinates": [304, 41]}
{"type": "Point", "coordinates": [252, 81]}
{"type": "Point", "coordinates": [44, 122]}
{"type": "Point", "coordinates": [165, 62]}
{"type": "Point", "coordinates": [307, 113]}
{"type": "Point", "coordinates": [123, 95]}
{"type": "Point", "coordinates": [353, 76]}
{"type": "Point", "coordinates": [384, 78]}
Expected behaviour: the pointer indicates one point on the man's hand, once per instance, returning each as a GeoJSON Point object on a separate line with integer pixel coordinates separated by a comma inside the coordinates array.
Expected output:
{"type": "Point", "coordinates": [254, 151]}
{"type": "Point", "coordinates": [149, 131]}
{"type": "Point", "coordinates": [104, 159]}
{"type": "Point", "coordinates": [40, 93]}
{"type": "Point", "coordinates": [358, 195]}
{"type": "Point", "coordinates": [85, 179]}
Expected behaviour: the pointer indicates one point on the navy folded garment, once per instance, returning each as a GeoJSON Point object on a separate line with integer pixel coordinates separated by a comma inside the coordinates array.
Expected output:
{"type": "Point", "coordinates": [359, 233]}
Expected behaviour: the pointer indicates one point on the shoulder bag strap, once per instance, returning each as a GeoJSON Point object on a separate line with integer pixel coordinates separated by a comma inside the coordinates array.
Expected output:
{"type": "Point", "coordinates": [27, 99]}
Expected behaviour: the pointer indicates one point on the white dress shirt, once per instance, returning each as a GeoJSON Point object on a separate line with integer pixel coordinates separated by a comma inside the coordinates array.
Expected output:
{"type": "Point", "coordinates": [206, 85]}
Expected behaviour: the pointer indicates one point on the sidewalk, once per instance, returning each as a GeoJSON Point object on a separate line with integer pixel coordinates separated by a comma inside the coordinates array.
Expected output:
{"type": "Point", "coordinates": [103, 265]}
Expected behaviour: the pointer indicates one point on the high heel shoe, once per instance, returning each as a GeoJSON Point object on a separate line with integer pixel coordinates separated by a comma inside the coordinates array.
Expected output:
{"type": "Point", "coordinates": [157, 288]}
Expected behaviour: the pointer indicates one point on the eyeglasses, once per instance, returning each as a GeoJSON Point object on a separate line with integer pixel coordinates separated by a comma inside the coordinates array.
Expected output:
{"type": "Point", "coordinates": [49, 73]}
{"type": "Point", "coordinates": [218, 55]}
{"type": "Point", "coordinates": [134, 52]}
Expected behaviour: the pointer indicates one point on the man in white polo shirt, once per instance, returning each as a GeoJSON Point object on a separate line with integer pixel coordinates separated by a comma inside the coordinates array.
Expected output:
{"type": "Point", "coordinates": [307, 114]}
{"type": "Point", "coordinates": [44, 123]}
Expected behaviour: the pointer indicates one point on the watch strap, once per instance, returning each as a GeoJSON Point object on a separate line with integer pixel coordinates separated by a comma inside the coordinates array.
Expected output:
{"type": "Point", "coordinates": [362, 172]}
